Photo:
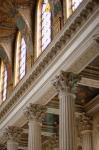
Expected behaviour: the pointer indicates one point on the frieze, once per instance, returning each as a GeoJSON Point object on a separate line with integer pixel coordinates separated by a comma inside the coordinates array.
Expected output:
{"type": "Point", "coordinates": [78, 22]}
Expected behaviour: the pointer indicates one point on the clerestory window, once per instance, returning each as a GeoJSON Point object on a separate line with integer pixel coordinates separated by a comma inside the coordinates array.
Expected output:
{"type": "Point", "coordinates": [75, 4]}
{"type": "Point", "coordinates": [3, 81]}
{"type": "Point", "coordinates": [20, 63]}
{"type": "Point", "coordinates": [43, 26]}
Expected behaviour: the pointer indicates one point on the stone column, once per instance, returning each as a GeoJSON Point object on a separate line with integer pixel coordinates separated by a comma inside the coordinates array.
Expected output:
{"type": "Point", "coordinates": [12, 135]}
{"type": "Point", "coordinates": [65, 83]}
{"type": "Point", "coordinates": [34, 113]}
{"type": "Point", "coordinates": [86, 132]}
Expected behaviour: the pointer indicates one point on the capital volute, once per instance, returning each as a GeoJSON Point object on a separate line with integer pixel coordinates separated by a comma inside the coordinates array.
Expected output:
{"type": "Point", "coordinates": [66, 81]}
{"type": "Point", "coordinates": [35, 112]}
{"type": "Point", "coordinates": [13, 133]}
{"type": "Point", "coordinates": [85, 123]}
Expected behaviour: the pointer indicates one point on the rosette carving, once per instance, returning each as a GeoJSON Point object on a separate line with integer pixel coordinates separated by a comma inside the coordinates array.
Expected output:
{"type": "Point", "coordinates": [35, 112]}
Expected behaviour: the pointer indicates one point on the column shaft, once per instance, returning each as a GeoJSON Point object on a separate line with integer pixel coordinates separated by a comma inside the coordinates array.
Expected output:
{"type": "Point", "coordinates": [34, 139]}
{"type": "Point", "coordinates": [66, 123]}
{"type": "Point", "coordinates": [87, 140]}
{"type": "Point", "coordinates": [66, 85]}
{"type": "Point", "coordinates": [11, 145]}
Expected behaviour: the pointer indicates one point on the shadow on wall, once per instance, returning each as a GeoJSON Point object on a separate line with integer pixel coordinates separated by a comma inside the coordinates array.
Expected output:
{"type": "Point", "coordinates": [79, 148]}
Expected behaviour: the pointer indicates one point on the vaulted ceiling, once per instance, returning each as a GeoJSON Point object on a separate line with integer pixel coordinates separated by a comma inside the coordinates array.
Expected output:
{"type": "Point", "coordinates": [9, 14]}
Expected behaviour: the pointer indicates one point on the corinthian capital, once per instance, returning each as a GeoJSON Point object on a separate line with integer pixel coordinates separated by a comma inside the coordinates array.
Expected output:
{"type": "Point", "coordinates": [12, 133]}
{"type": "Point", "coordinates": [85, 122]}
{"type": "Point", "coordinates": [66, 81]}
{"type": "Point", "coordinates": [35, 111]}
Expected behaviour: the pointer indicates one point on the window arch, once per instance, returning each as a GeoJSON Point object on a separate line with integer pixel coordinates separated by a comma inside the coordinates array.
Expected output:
{"type": "Point", "coordinates": [20, 58]}
{"type": "Point", "coordinates": [43, 25]}
{"type": "Point", "coordinates": [3, 81]}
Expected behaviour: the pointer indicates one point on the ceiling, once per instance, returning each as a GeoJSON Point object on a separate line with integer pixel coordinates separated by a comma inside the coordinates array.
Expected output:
{"type": "Point", "coordinates": [9, 15]}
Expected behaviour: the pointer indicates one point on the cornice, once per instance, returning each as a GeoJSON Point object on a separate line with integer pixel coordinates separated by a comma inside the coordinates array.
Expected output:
{"type": "Point", "coordinates": [93, 106]}
{"type": "Point", "coordinates": [65, 35]}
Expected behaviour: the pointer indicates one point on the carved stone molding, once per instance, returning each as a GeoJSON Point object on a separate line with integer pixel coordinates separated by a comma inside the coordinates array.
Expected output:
{"type": "Point", "coordinates": [13, 133]}
{"type": "Point", "coordinates": [51, 143]}
{"type": "Point", "coordinates": [66, 81]}
{"type": "Point", "coordinates": [85, 123]}
{"type": "Point", "coordinates": [54, 51]}
{"type": "Point", "coordinates": [35, 112]}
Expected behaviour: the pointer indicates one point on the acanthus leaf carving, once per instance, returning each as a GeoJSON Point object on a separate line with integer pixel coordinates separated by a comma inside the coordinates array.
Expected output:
{"type": "Point", "coordinates": [66, 81]}
{"type": "Point", "coordinates": [85, 122]}
{"type": "Point", "coordinates": [35, 112]}
{"type": "Point", "coordinates": [13, 133]}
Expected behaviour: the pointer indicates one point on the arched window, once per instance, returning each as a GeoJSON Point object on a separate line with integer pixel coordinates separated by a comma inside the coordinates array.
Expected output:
{"type": "Point", "coordinates": [46, 24]}
{"type": "Point", "coordinates": [75, 4]}
{"type": "Point", "coordinates": [3, 81]}
{"type": "Point", "coordinates": [43, 26]}
{"type": "Point", "coordinates": [20, 58]}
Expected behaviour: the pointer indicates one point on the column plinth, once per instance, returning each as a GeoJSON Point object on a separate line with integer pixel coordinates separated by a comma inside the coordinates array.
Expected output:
{"type": "Point", "coordinates": [65, 85]}
{"type": "Point", "coordinates": [34, 114]}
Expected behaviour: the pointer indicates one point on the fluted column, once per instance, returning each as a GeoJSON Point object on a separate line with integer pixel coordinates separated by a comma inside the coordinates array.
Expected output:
{"type": "Point", "coordinates": [86, 132]}
{"type": "Point", "coordinates": [12, 135]}
{"type": "Point", "coordinates": [34, 113]}
{"type": "Point", "coordinates": [65, 85]}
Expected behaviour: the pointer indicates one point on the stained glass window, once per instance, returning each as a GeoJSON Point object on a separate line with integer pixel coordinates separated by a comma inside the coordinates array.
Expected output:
{"type": "Point", "coordinates": [3, 77]}
{"type": "Point", "coordinates": [75, 4]}
{"type": "Point", "coordinates": [20, 63]}
{"type": "Point", "coordinates": [45, 24]}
